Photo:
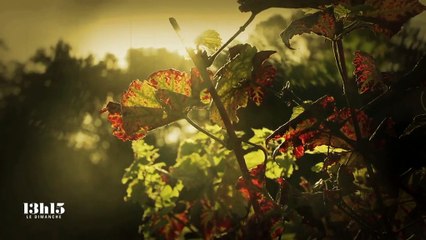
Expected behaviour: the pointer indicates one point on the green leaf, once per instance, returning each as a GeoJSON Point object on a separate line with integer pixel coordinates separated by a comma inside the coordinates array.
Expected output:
{"type": "Point", "coordinates": [322, 23]}
{"type": "Point", "coordinates": [209, 39]}
{"type": "Point", "coordinates": [136, 190]}
{"type": "Point", "coordinates": [147, 181]}
{"type": "Point", "coordinates": [286, 162]}
{"type": "Point", "coordinates": [297, 110]}
{"type": "Point", "coordinates": [274, 171]}
{"type": "Point", "coordinates": [232, 80]}
{"type": "Point", "coordinates": [260, 135]}
{"type": "Point", "coordinates": [192, 171]}
{"type": "Point", "coordinates": [254, 158]}
{"type": "Point", "coordinates": [144, 154]}
{"type": "Point", "coordinates": [317, 167]}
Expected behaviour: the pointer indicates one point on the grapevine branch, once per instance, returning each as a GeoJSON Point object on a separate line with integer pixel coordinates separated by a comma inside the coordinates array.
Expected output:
{"type": "Point", "coordinates": [235, 142]}
{"type": "Point", "coordinates": [348, 92]}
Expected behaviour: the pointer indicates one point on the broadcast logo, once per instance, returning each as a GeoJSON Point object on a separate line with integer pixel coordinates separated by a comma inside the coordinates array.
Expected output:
{"type": "Point", "coordinates": [43, 210]}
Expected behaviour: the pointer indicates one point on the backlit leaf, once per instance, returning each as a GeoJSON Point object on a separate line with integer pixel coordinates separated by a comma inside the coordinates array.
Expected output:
{"type": "Point", "coordinates": [260, 135]}
{"type": "Point", "coordinates": [367, 76]}
{"type": "Point", "coordinates": [322, 23]}
{"type": "Point", "coordinates": [191, 167]}
{"type": "Point", "coordinates": [343, 117]}
{"type": "Point", "coordinates": [254, 158]}
{"type": "Point", "coordinates": [209, 39]}
{"type": "Point", "coordinates": [242, 79]}
{"type": "Point", "coordinates": [320, 124]}
{"type": "Point", "coordinates": [163, 98]}
{"type": "Point", "coordinates": [321, 108]}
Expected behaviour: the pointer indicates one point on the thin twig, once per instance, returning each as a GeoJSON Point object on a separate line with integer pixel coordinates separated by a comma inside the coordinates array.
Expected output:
{"type": "Point", "coordinates": [240, 30]}
{"type": "Point", "coordinates": [381, 124]}
{"type": "Point", "coordinates": [199, 128]}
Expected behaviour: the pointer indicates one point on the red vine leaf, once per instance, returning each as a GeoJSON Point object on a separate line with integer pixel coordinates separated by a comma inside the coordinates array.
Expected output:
{"type": "Point", "coordinates": [172, 225]}
{"type": "Point", "coordinates": [257, 175]}
{"type": "Point", "coordinates": [199, 87]}
{"type": "Point", "coordinates": [389, 15]}
{"type": "Point", "coordinates": [322, 23]}
{"type": "Point", "coordinates": [161, 99]}
{"type": "Point", "coordinates": [267, 205]}
{"type": "Point", "coordinates": [320, 124]}
{"type": "Point", "coordinates": [263, 74]}
{"type": "Point", "coordinates": [385, 16]}
{"type": "Point", "coordinates": [320, 109]}
{"type": "Point", "coordinates": [256, 6]}
{"type": "Point", "coordinates": [367, 75]}
{"type": "Point", "coordinates": [343, 118]}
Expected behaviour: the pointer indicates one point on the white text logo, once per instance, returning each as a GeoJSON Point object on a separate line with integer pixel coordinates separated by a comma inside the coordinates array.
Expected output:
{"type": "Point", "coordinates": [43, 210]}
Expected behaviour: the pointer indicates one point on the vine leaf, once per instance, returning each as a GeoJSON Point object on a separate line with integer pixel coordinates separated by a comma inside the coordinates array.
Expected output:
{"type": "Point", "coordinates": [256, 6]}
{"type": "Point", "coordinates": [342, 118]}
{"type": "Point", "coordinates": [367, 75]}
{"type": "Point", "coordinates": [389, 15]}
{"type": "Point", "coordinates": [243, 78]}
{"type": "Point", "coordinates": [321, 123]}
{"type": "Point", "coordinates": [271, 217]}
{"type": "Point", "coordinates": [199, 87]}
{"type": "Point", "coordinates": [385, 16]}
{"type": "Point", "coordinates": [321, 108]}
{"type": "Point", "coordinates": [146, 105]}
{"type": "Point", "coordinates": [170, 227]}
{"type": "Point", "coordinates": [257, 175]}
{"type": "Point", "coordinates": [209, 39]}
{"type": "Point", "coordinates": [298, 133]}
{"type": "Point", "coordinates": [322, 23]}
{"type": "Point", "coordinates": [418, 122]}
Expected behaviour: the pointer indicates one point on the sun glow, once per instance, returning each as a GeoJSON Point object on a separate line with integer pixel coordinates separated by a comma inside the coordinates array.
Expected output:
{"type": "Point", "coordinates": [117, 35]}
{"type": "Point", "coordinates": [101, 43]}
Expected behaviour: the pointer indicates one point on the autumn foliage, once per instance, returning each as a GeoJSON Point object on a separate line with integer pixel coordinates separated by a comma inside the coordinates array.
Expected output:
{"type": "Point", "coordinates": [226, 184]}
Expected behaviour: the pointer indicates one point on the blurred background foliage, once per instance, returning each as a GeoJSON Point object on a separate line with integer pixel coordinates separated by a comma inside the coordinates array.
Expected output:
{"type": "Point", "coordinates": [56, 147]}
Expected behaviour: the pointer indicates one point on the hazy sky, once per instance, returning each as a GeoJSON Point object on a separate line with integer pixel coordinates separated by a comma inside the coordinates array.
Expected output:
{"type": "Point", "coordinates": [100, 26]}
